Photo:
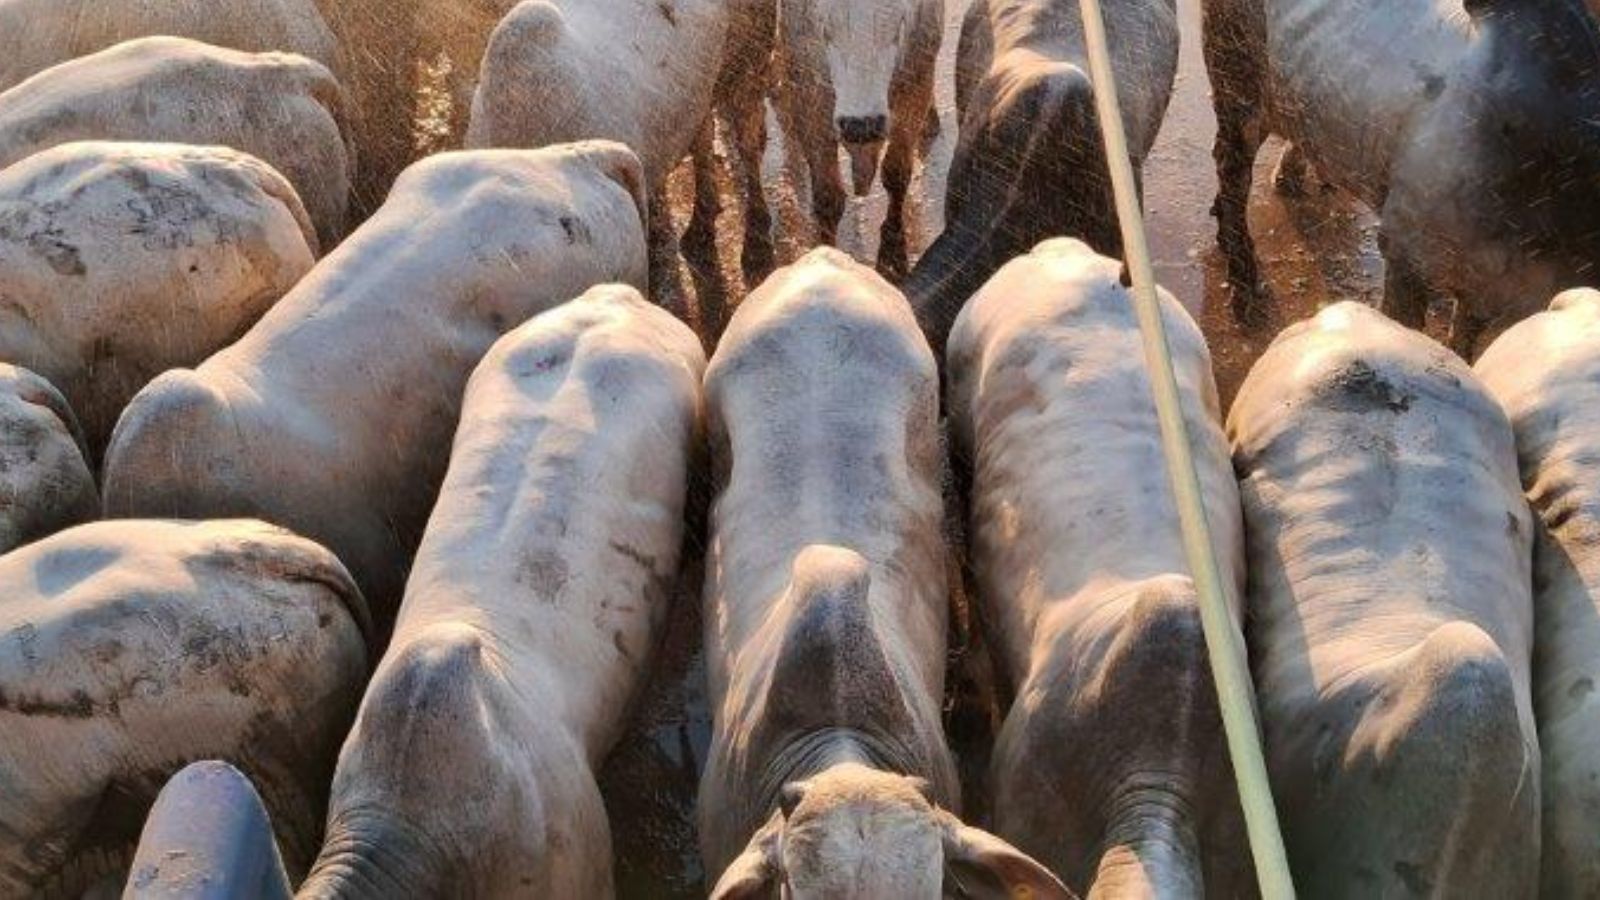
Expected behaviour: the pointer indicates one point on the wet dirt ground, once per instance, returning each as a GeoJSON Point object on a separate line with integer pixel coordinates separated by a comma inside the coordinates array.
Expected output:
{"type": "Point", "coordinates": [1314, 250]}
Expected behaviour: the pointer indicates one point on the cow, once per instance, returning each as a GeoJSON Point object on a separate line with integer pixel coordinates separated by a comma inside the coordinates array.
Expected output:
{"type": "Point", "coordinates": [208, 835]}
{"type": "Point", "coordinates": [825, 604]}
{"type": "Point", "coordinates": [37, 34]}
{"type": "Point", "coordinates": [333, 415]}
{"type": "Point", "coordinates": [641, 72]}
{"type": "Point", "coordinates": [45, 481]}
{"type": "Point", "coordinates": [122, 260]}
{"type": "Point", "coordinates": [859, 73]}
{"type": "Point", "coordinates": [1390, 612]}
{"type": "Point", "coordinates": [1472, 127]}
{"type": "Point", "coordinates": [1544, 371]}
{"type": "Point", "coordinates": [1111, 765]}
{"type": "Point", "coordinates": [130, 649]}
{"type": "Point", "coordinates": [529, 619]}
{"type": "Point", "coordinates": [284, 109]}
{"type": "Point", "coordinates": [1028, 161]}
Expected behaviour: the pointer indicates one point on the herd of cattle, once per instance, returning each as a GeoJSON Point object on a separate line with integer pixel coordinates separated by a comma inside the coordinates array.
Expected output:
{"type": "Point", "coordinates": [230, 297]}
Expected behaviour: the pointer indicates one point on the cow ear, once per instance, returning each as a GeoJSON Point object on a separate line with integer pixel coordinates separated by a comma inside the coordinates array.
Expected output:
{"type": "Point", "coordinates": [756, 873]}
{"type": "Point", "coordinates": [980, 866]}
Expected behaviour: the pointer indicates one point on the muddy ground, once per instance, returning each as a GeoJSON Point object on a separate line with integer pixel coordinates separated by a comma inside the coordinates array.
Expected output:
{"type": "Point", "coordinates": [1315, 251]}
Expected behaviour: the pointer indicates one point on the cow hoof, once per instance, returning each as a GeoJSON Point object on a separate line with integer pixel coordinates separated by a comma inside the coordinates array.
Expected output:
{"type": "Point", "coordinates": [1250, 306]}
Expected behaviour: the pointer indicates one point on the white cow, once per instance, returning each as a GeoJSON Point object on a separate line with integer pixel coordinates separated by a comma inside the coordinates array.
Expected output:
{"type": "Point", "coordinates": [284, 109]}
{"type": "Point", "coordinates": [1545, 372]}
{"type": "Point", "coordinates": [532, 611]}
{"type": "Point", "coordinates": [333, 415]}
{"type": "Point", "coordinates": [826, 604]}
{"type": "Point", "coordinates": [37, 34]}
{"type": "Point", "coordinates": [1028, 164]}
{"type": "Point", "coordinates": [1470, 126]}
{"type": "Point", "coordinates": [129, 649]}
{"type": "Point", "coordinates": [642, 72]}
{"type": "Point", "coordinates": [859, 73]}
{"type": "Point", "coordinates": [121, 261]}
{"type": "Point", "coordinates": [1110, 765]}
{"type": "Point", "coordinates": [45, 482]}
{"type": "Point", "coordinates": [1390, 613]}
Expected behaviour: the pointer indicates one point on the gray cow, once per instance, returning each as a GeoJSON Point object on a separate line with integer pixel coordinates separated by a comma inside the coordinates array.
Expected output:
{"type": "Point", "coordinates": [1028, 163]}
{"type": "Point", "coordinates": [1471, 126]}
{"type": "Point", "coordinates": [1110, 765]}
{"type": "Point", "coordinates": [1390, 613]}
{"type": "Point", "coordinates": [826, 605]}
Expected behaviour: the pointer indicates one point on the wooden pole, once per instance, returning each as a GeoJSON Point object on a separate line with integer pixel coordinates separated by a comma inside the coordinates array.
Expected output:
{"type": "Point", "coordinates": [1224, 643]}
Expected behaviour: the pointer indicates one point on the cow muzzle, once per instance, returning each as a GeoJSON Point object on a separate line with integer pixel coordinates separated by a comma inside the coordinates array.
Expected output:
{"type": "Point", "coordinates": [863, 129]}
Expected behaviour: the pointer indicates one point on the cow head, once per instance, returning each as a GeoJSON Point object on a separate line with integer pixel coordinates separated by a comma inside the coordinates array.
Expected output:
{"type": "Point", "coordinates": [856, 832]}
{"type": "Point", "coordinates": [863, 44]}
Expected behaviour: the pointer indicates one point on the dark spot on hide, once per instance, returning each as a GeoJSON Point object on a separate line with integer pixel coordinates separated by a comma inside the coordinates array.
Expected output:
{"type": "Point", "coordinates": [1581, 688]}
{"type": "Point", "coordinates": [622, 648]}
{"type": "Point", "coordinates": [577, 230]}
{"type": "Point", "coordinates": [1433, 84]}
{"type": "Point", "coordinates": [546, 362]}
{"type": "Point", "coordinates": [62, 257]}
{"type": "Point", "coordinates": [546, 573]}
{"type": "Point", "coordinates": [1513, 525]}
{"type": "Point", "coordinates": [645, 560]}
{"type": "Point", "coordinates": [78, 706]}
{"type": "Point", "coordinates": [668, 12]}
{"type": "Point", "coordinates": [1357, 388]}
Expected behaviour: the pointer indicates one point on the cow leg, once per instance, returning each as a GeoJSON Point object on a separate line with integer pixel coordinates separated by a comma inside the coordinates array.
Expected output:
{"type": "Point", "coordinates": [1234, 44]}
{"type": "Point", "coordinates": [699, 240]}
{"type": "Point", "coordinates": [805, 123]}
{"type": "Point", "coordinates": [911, 108]}
{"type": "Point", "coordinates": [898, 161]}
{"type": "Point", "coordinates": [1405, 292]}
{"type": "Point", "coordinates": [748, 116]}
{"type": "Point", "coordinates": [827, 188]}
{"type": "Point", "coordinates": [666, 283]}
